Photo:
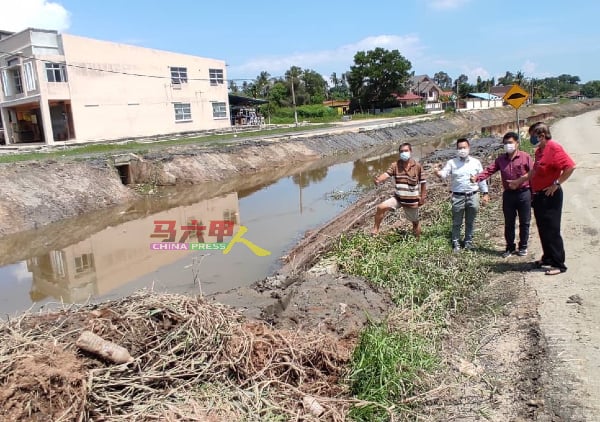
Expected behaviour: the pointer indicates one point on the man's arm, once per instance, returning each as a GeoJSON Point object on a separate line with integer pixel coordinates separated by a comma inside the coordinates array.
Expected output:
{"type": "Point", "coordinates": [485, 174]}
{"type": "Point", "coordinates": [423, 192]}
{"type": "Point", "coordinates": [561, 179]}
{"type": "Point", "coordinates": [446, 171]}
{"type": "Point", "coordinates": [422, 186]}
{"type": "Point", "coordinates": [381, 178]}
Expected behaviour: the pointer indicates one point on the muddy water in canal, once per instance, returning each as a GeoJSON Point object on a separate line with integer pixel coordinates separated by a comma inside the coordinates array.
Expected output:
{"type": "Point", "coordinates": [112, 253]}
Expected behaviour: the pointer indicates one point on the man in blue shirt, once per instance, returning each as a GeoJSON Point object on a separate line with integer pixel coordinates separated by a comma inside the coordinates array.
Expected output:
{"type": "Point", "coordinates": [465, 194]}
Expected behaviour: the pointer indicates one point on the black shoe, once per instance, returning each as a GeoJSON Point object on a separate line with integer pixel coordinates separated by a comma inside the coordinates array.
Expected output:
{"type": "Point", "coordinates": [469, 246]}
{"type": "Point", "coordinates": [507, 254]}
{"type": "Point", "coordinates": [522, 252]}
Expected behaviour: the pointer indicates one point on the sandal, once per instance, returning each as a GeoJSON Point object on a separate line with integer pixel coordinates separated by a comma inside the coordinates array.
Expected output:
{"type": "Point", "coordinates": [553, 271]}
{"type": "Point", "coordinates": [540, 264]}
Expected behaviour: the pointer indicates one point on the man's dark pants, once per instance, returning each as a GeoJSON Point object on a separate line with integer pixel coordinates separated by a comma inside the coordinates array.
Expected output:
{"type": "Point", "coordinates": [516, 202]}
{"type": "Point", "coordinates": [548, 212]}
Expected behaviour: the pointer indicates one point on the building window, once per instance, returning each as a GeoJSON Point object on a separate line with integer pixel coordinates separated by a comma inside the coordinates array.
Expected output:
{"type": "Point", "coordinates": [183, 112]}
{"type": "Point", "coordinates": [215, 76]}
{"type": "Point", "coordinates": [179, 75]}
{"type": "Point", "coordinates": [56, 72]}
{"type": "Point", "coordinates": [219, 110]}
{"type": "Point", "coordinates": [84, 263]}
{"type": "Point", "coordinates": [29, 76]}
{"type": "Point", "coordinates": [16, 73]}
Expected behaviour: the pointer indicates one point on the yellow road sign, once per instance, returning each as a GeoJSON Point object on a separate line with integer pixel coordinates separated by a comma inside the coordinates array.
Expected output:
{"type": "Point", "coordinates": [516, 96]}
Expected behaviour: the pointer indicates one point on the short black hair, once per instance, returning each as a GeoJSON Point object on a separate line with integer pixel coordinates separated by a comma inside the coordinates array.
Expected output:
{"type": "Point", "coordinates": [511, 135]}
{"type": "Point", "coordinates": [533, 127]}
{"type": "Point", "coordinates": [461, 140]}
{"type": "Point", "coordinates": [406, 144]}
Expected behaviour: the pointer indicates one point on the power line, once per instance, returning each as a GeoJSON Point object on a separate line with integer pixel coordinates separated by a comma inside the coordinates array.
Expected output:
{"type": "Point", "coordinates": [119, 72]}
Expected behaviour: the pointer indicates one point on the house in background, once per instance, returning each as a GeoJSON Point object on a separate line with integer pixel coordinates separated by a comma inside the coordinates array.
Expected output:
{"type": "Point", "coordinates": [428, 90]}
{"type": "Point", "coordinates": [409, 99]}
{"type": "Point", "coordinates": [341, 106]}
{"type": "Point", "coordinates": [482, 100]}
{"type": "Point", "coordinates": [574, 95]}
{"type": "Point", "coordinates": [60, 87]}
{"type": "Point", "coordinates": [500, 90]}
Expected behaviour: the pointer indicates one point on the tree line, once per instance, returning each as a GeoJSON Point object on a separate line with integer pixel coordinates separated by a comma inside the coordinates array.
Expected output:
{"type": "Point", "coordinates": [379, 73]}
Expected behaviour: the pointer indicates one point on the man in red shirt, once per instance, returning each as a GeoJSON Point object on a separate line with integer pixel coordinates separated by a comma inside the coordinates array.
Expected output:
{"type": "Point", "coordinates": [512, 165]}
{"type": "Point", "coordinates": [552, 167]}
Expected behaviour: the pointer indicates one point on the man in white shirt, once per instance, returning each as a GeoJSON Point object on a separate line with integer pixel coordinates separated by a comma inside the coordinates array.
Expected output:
{"type": "Point", "coordinates": [465, 194]}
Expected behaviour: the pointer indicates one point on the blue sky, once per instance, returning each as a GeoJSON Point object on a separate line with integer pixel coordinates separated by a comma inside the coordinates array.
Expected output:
{"type": "Point", "coordinates": [474, 37]}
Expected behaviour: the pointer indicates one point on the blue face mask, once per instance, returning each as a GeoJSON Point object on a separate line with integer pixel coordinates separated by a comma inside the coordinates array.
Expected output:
{"type": "Point", "coordinates": [534, 140]}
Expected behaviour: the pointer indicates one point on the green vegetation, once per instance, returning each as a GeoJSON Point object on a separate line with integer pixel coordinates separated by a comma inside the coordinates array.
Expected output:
{"type": "Point", "coordinates": [396, 112]}
{"type": "Point", "coordinates": [385, 366]}
{"type": "Point", "coordinates": [376, 75]}
{"type": "Point", "coordinates": [427, 283]}
{"type": "Point", "coordinates": [314, 113]}
{"type": "Point", "coordinates": [143, 147]}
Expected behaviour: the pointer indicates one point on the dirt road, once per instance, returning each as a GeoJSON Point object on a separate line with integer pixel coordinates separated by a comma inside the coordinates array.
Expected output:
{"type": "Point", "coordinates": [572, 329]}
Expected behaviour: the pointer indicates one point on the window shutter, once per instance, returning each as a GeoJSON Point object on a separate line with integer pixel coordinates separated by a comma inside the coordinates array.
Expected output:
{"type": "Point", "coordinates": [5, 85]}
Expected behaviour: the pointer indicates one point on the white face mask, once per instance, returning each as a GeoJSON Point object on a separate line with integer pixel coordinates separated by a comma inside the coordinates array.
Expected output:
{"type": "Point", "coordinates": [404, 155]}
{"type": "Point", "coordinates": [510, 148]}
{"type": "Point", "coordinates": [463, 152]}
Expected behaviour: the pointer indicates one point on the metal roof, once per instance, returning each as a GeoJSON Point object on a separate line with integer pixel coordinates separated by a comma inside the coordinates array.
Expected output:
{"type": "Point", "coordinates": [238, 100]}
{"type": "Point", "coordinates": [484, 96]}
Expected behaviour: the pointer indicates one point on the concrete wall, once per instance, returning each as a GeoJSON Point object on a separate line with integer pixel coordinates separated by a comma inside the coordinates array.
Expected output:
{"type": "Point", "coordinates": [119, 90]}
{"type": "Point", "coordinates": [482, 104]}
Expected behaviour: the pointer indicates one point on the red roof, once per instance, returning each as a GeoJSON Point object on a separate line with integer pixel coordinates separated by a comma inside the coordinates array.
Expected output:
{"type": "Point", "coordinates": [409, 96]}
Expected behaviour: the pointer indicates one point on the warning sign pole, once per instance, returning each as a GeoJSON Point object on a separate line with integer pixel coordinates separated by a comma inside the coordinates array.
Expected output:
{"type": "Point", "coordinates": [516, 96]}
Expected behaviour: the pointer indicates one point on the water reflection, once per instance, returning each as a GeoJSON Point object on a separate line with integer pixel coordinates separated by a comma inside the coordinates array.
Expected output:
{"type": "Point", "coordinates": [305, 178]}
{"type": "Point", "coordinates": [116, 255]}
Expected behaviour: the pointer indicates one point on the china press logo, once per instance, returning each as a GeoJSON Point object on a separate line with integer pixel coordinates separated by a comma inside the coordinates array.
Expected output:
{"type": "Point", "coordinates": [166, 230]}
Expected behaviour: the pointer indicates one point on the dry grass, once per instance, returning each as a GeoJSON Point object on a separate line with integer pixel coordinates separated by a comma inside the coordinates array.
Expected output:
{"type": "Point", "coordinates": [193, 361]}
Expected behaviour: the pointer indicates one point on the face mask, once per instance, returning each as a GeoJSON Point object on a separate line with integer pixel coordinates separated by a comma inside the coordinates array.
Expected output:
{"type": "Point", "coordinates": [534, 140]}
{"type": "Point", "coordinates": [404, 155]}
{"type": "Point", "coordinates": [509, 148]}
{"type": "Point", "coordinates": [463, 153]}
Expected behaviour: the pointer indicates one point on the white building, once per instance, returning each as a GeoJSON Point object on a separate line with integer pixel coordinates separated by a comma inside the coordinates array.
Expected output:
{"type": "Point", "coordinates": [59, 87]}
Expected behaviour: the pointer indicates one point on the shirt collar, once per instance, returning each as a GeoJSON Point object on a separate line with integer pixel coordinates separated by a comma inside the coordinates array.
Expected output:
{"type": "Point", "coordinates": [411, 162]}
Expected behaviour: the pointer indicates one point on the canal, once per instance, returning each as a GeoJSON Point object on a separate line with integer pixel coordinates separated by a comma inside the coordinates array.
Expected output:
{"type": "Point", "coordinates": [125, 254]}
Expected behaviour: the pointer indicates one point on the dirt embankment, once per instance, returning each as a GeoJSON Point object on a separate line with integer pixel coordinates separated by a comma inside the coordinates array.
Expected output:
{"type": "Point", "coordinates": [35, 194]}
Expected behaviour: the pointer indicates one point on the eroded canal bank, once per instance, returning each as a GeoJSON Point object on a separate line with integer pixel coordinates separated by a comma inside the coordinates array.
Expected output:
{"type": "Point", "coordinates": [37, 193]}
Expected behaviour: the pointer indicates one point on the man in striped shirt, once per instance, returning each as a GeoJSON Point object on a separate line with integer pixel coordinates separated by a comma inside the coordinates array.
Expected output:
{"type": "Point", "coordinates": [410, 190]}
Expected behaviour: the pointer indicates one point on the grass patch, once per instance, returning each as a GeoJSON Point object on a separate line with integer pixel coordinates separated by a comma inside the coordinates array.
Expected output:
{"type": "Point", "coordinates": [385, 366]}
{"type": "Point", "coordinates": [396, 112]}
{"type": "Point", "coordinates": [427, 283]}
{"type": "Point", "coordinates": [413, 271]}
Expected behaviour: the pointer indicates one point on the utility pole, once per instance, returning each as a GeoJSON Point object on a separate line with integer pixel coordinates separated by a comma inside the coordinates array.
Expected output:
{"type": "Point", "coordinates": [294, 102]}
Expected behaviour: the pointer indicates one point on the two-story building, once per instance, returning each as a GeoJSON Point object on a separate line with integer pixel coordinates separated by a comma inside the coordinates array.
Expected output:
{"type": "Point", "coordinates": [428, 90]}
{"type": "Point", "coordinates": [60, 87]}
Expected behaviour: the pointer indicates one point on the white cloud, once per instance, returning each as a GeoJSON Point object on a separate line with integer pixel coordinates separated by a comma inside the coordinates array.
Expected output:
{"type": "Point", "coordinates": [474, 72]}
{"type": "Point", "coordinates": [529, 68]}
{"type": "Point", "coordinates": [446, 4]}
{"type": "Point", "coordinates": [18, 15]}
{"type": "Point", "coordinates": [20, 272]}
{"type": "Point", "coordinates": [340, 58]}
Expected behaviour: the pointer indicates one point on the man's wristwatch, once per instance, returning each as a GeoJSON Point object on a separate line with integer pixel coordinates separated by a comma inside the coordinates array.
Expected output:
{"type": "Point", "coordinates": [557, 183]}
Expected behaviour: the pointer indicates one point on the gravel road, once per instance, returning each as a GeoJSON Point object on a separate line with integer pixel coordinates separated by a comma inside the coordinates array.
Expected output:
{"type": "Point", "coordinates": [570, 303]}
